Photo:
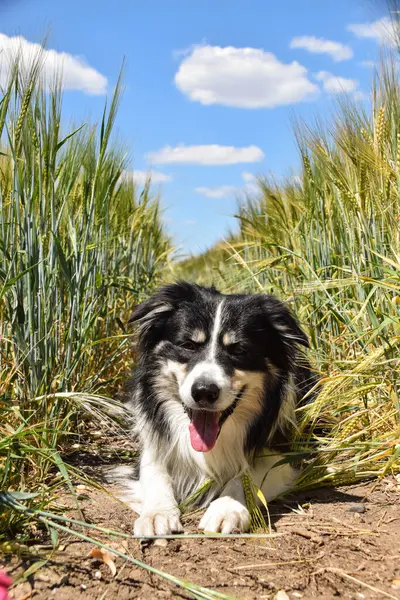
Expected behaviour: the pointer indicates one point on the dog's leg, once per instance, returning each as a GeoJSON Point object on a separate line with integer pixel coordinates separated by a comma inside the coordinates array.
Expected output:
{"type": "Point", "coordinates": [272, 480]}
{"type": "Point", "coordinates": [228, 512]}
{"type": "Point", "coordinates": [129, 490]}
{"type": "Point", "coordinates": [160, 512]}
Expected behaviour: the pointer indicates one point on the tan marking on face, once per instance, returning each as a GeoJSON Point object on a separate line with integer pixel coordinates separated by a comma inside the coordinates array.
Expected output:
{"type": "Point", "coordinates": [198, 336]}
{"type": "Point", "coordinates": [252, 379]}
{"type": "Point", "coordinates": [174, 372]}
{"type": "Point", "coordinates": [228, 338]}
{"type": "Point", "coordinates": [238, 379]}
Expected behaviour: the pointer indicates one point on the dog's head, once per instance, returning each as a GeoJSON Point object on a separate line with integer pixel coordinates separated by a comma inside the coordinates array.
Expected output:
{"type": "Point", "coordinates": [214, 346]}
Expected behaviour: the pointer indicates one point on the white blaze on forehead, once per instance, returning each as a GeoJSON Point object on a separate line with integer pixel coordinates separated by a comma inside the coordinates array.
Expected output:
{"type": "Point", "coordinates": [210, 371]}
{"type": "Point", "coordinates": [215, 331]}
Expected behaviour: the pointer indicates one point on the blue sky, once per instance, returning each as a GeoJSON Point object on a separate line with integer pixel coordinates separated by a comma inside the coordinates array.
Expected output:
{"type": "Point", "coordinates": [211, 85]}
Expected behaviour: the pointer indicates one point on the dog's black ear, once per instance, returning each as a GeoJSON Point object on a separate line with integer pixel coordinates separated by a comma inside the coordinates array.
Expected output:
{"type": "Point", "coordinates": [278, 331]}
{"type": "Point", "coordinates": [164, 301]}
{"type": "Point", "coordinates": [153, 306]}
{"type": "Point", "coordinates": [284, 322]}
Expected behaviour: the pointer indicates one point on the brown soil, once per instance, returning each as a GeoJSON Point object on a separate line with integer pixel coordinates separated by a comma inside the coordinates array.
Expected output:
{"type": "Point", "coordinates": [324, 551]}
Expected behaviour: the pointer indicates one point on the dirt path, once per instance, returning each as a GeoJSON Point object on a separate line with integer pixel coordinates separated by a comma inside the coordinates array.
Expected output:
{"type": "Point", "coordinates": [325, 551]}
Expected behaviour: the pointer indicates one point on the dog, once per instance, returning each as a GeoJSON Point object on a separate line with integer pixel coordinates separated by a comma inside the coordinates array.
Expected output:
{"type": "Point", "coordinates": [214, 395]}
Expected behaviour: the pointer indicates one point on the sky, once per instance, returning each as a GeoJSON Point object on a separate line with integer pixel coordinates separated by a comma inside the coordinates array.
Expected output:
{"type": "Point", "coordinates": [211, 86]}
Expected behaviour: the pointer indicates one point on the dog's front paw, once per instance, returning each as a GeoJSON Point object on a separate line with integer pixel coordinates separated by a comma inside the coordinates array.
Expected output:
{"type": "Point", "coordinates": [225, 515]}
{"type": "Point", "coordinates": [157, 523]}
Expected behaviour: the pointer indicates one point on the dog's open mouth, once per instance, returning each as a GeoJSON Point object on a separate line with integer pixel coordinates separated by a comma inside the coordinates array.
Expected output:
{"type": "Point", "coordinates": [205, 425]}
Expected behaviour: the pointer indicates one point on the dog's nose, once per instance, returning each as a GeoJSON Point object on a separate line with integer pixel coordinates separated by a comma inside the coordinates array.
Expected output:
{"type": "Point", "coordinates": [205, 391]}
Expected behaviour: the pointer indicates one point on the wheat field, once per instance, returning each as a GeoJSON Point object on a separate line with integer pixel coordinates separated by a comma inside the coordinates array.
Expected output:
{"type": "Point", "coordinates": [80, 244]}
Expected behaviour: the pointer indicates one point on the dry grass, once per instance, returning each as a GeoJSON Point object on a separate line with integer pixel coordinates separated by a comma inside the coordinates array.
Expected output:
{"type": "Point", "coordinates": [328, 242]}
{"type": "Point", "coordinates": [79, 246]}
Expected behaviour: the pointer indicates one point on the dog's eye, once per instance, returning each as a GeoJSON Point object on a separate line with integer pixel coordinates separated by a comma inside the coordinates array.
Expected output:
{"type": "Point", "coordinates": [235, 349]}
{"type": "Point", "coordinates": [189, 345]}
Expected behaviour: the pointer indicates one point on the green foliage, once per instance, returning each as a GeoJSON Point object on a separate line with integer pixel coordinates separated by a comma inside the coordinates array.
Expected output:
{"type": "Point", "coordinates": [78, 247]}
{"type": "Point", "coordinates": [328, 242]}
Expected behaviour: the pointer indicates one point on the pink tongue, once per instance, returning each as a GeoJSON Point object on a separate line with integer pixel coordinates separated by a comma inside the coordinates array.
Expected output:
{"type": "Point", "coordinates": [204, 429]}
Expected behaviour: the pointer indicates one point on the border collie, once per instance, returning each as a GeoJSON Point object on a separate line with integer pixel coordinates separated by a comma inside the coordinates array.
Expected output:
{"type": "Point", "coordinates": [214, 394]}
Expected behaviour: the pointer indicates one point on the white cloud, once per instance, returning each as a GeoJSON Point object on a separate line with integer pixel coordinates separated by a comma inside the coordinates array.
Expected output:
{"type": "Point", "coordinates": [246, 176]}
{"type": "Point", "coordinates": [76, 74]}
{"type": "Point", "coordinates": [141, 177]}
{"type": "Point", "coordinates": [242, 77]}
{"type": "Point", "coordinates": [211, 154]}
{"type": "Point", "coordinates": [382, 30]}
{"type": "Point", "coordinates": [316, 45]}
{"type": "Point", "coordinates": [336, 85]}
{"type": "Point", "coordinates": [221, 191]}
{"type": "Point", "coordinates": [359, 95]}
{"type": "Point", "coordinates": [227, 191]}
{"type": "Point", "coordinates": [368, 64]}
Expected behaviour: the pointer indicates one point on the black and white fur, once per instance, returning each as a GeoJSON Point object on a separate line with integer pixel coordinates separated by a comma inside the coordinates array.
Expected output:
{"type": "Point", "coordinates": [205, 357]}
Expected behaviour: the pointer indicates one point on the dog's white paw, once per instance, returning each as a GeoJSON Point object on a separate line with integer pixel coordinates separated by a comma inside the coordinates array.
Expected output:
{"type": "Point", "coordinates": [225, 515]}
{"type": "Point", "coordinates": [158, 523]}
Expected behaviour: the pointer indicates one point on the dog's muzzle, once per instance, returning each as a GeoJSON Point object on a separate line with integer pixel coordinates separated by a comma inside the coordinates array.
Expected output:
{"type": "Point", "coordinates": [205, 425]}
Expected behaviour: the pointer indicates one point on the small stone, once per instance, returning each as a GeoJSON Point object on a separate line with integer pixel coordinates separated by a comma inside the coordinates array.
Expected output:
{"type": "Point", "coordinates": [297, 595]}
{"type": "Point", "coordinates": [356, 507]}
{"type": "Point", "coordinates": [161, 542]}
{"type": "Point", "coordinates": [63, 581]}
{"type": "Point", "coordinates": [83, 587]}
{"type": "Point", "coordinates": [269, 585]}
{"type": "Point", "coordinates": [281, 595]}
{"type": "Point", "coordinates": [175, 545]}
{"type": "Point", "coordinates": [97, 575]}
{"type": "Point", "coordinates": [81, 488]}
